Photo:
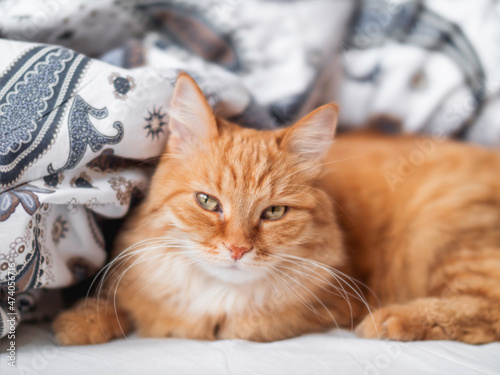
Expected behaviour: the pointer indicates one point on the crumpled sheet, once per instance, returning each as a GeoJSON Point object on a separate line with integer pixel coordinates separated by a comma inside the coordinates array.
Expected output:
{"type": "Point", "coordinates": [336, 352]}
{"type": "Point", "coordinates": [85, 86]}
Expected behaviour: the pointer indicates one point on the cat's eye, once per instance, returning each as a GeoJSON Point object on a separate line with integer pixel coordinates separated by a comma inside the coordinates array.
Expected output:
{"type": "Point", "coordinates": [274, 212]}
{"type": "Point", "coordinates": [207, 202]}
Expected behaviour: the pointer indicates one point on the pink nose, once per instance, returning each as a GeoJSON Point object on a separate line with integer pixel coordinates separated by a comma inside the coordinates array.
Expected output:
{"type": "Point", "coordinates": [237, 252]}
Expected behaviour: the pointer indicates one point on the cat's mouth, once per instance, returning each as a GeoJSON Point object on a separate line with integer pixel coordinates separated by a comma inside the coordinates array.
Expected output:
{"type": "Point", "coordinates": [234, 272]}
{"type": "Point", "coordinates": [235, 266]}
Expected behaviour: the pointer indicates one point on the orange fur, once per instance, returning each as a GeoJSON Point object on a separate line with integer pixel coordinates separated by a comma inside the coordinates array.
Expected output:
{"type": "Point", "coordinates": [416, 220]}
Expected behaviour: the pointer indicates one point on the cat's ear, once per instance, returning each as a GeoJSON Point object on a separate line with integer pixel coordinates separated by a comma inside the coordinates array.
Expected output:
{"type": "Point", "coordinates": [191, 121]}
{"type": "Point", "coordinates": [312, 136]}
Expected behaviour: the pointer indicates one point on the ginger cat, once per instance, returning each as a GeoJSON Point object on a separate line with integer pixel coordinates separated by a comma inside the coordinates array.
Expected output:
{"type": "Point", "coordinates": [261, 235]}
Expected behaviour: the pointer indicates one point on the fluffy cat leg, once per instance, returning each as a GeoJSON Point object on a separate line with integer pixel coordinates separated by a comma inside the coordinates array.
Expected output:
{"type": "Point", "coordinates": [463, 303]}
{"type": "Point", "coordinates": [465, 318]}
{"type": "Point", "coordinates": [90, 321]}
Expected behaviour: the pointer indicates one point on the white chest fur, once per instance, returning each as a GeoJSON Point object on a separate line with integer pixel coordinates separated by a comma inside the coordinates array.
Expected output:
{"type": "Point", "coordinates": [188, 288]}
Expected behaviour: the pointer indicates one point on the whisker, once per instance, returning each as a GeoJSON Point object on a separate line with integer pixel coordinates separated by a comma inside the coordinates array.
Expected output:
{"type": "Point", "coordinates": [121, 277]}
{"type": "Point", "coordinates": [339, 294]}
{"type": "Point", "coordinates": [122, 258]}
{"type": "Point", "coordinates": [332, 271]}
{"type": "Point", "coordinates": [306, 303]}
{"type": "Point", "coordinates": [310, 292]}
{"type": "Point", "coordinates": [281, 294]}
{"type": "Point", "coordinates": [346, 294]}
{"type": "Point", "coordinates": [189, 261]}
{"type": "Point", "coordinates": [118, 281]}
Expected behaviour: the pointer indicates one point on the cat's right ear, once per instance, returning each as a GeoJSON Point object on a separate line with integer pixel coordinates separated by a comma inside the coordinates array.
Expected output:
{"type": "Point", "coordinates": [191, 120]}
{"type": "Point", "coordinates": [311, 137]}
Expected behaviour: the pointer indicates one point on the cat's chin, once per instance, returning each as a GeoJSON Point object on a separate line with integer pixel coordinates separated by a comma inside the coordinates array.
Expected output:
{"type": "Point", "coordinates": [232, 273]}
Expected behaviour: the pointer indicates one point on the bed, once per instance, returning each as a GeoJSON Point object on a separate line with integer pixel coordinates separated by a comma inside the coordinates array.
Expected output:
{"type": "Point", "coordinates": [335, 352]}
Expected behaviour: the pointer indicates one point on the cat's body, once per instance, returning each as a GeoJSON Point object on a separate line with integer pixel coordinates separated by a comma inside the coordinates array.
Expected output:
{"type": "Point", "coordinates": [416, 220]}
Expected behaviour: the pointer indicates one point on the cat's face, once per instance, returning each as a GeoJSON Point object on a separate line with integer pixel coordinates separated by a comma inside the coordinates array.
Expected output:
{"type": "Point", "coordinates": [240, 199]}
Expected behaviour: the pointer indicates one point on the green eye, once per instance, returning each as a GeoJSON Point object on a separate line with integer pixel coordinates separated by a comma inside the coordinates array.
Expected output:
{"type": "Point", "coordinates": [274, 212]}
{"type": "Point", "coordinates": [207, 202]}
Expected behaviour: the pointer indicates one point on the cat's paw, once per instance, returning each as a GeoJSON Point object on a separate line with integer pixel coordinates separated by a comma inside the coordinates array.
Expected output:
{"type": "Point", "coordinates": [85, 324]}
{"type": "Point", "coordinates": [399, 322]}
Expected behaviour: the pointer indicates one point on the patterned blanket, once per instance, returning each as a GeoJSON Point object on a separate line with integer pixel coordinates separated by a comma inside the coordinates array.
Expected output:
{"type": "Point", "coordinates": [85, 86]}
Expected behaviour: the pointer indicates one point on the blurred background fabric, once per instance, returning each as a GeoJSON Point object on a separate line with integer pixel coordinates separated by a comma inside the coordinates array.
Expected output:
{"type": "Point", "coordinates": [85, 87]}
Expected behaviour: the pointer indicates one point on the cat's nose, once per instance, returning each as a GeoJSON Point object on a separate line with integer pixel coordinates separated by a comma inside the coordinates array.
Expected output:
{"type": "Point", "coordinates": [237, 252]}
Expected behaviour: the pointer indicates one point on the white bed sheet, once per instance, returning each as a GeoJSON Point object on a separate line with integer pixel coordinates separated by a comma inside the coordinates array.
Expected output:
{"type": "Point", "coordinates": [336, 352]}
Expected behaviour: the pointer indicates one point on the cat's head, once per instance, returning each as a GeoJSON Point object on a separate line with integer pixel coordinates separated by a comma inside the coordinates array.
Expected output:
{"type": "Point", "coordinates": [243, 200]}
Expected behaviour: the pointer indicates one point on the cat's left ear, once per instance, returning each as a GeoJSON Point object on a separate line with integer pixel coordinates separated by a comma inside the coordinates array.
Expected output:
{"type": "Point", "coordinates": [312, 136]}
{"type": "Point", "coordinates": [192, 121]}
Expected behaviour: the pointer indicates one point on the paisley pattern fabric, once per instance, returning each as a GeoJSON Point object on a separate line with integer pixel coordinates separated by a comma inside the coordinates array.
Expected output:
{"type": "Point", "coordinates": [84, 99]}
{"type": "Point", "coordinates": [24, 195]}
{"type": "Point", "coordinates": [83, 133]}
{"type": "Point", "coordinates": [34, 94]}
